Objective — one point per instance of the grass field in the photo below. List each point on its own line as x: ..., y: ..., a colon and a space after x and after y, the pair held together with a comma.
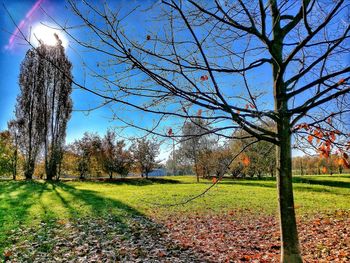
x: 31, y: 203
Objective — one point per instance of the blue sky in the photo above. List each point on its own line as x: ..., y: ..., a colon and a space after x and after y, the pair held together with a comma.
x: 100, y: 119
x: 95, y: 121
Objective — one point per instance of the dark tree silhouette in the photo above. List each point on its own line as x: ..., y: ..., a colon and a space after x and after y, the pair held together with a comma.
x: 44, y: 106
x: 29, y: 113
x: 57, y: 104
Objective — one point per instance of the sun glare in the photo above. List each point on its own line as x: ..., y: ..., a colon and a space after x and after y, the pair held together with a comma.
x: 47, y: 35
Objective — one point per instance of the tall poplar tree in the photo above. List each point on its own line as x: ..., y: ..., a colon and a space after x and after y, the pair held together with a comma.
x: 44, y: 106
x: 28, y: 111
x: 57, y: 104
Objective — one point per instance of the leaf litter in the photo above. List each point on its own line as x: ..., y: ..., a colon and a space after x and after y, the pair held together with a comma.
x: 228, y: 237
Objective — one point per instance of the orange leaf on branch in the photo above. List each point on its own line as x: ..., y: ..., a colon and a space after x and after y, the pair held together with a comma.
x: 204, y: 78
x: 332, y: 136
x: 341, y: 81
x: 310, y: 138
x: 300, y: 126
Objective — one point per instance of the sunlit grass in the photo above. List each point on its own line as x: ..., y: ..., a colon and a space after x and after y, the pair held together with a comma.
x: 29, y: 203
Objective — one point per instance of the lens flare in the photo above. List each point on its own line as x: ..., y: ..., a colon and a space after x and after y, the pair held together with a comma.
x: 46, y: 33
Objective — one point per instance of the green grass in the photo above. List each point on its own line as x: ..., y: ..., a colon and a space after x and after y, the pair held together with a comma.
x: 29, y: 203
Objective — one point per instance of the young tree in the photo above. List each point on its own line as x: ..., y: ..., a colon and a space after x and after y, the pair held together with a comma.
x: 144, y: 153
x: 114, y: 158
x: 230, y: 58
x: 181, y: 164
x: 196, y: 141
x: 88, y: 152
x: 219, y: 160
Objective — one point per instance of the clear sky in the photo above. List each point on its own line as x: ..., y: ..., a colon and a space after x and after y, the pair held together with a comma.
x: 13, y: 53
x: 27, y: 15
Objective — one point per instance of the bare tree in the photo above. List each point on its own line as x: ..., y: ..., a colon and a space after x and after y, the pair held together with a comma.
x: 209, y: 56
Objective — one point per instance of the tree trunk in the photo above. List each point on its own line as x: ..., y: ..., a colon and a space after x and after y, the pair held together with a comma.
x: 14, y: 168
x: 196, y: 168
x: 290, y: 251
x: 29, y: 170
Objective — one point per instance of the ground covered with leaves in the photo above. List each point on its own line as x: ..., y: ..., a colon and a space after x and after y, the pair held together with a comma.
x: 230, y: 237
x: 131, y: 220
x: 103, y: 240
x: 235, y: 238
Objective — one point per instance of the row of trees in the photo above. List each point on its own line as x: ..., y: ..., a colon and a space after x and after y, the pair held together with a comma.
x: 205, y: 155
x: 304, y: 165
x: 42, y: 110
x: 208, y: 155
x: 95, y: 156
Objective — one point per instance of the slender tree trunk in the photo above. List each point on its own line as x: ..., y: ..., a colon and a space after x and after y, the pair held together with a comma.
x: 196, y: 168
x: 14, y: 168
x: 290, y: 250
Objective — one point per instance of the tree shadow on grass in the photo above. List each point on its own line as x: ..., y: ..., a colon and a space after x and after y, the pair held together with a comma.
x: 143, y: 233
x: 321, y: 182
x: 96, y: 204
x: 16, y: 199
x: 253, y: 184
x: 131, y: 181
x: 305, y: 187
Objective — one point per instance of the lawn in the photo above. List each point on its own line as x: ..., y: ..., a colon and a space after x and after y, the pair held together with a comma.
x: 33, y: 204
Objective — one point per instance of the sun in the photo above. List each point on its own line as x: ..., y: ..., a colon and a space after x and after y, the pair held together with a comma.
x: 46, y: 34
